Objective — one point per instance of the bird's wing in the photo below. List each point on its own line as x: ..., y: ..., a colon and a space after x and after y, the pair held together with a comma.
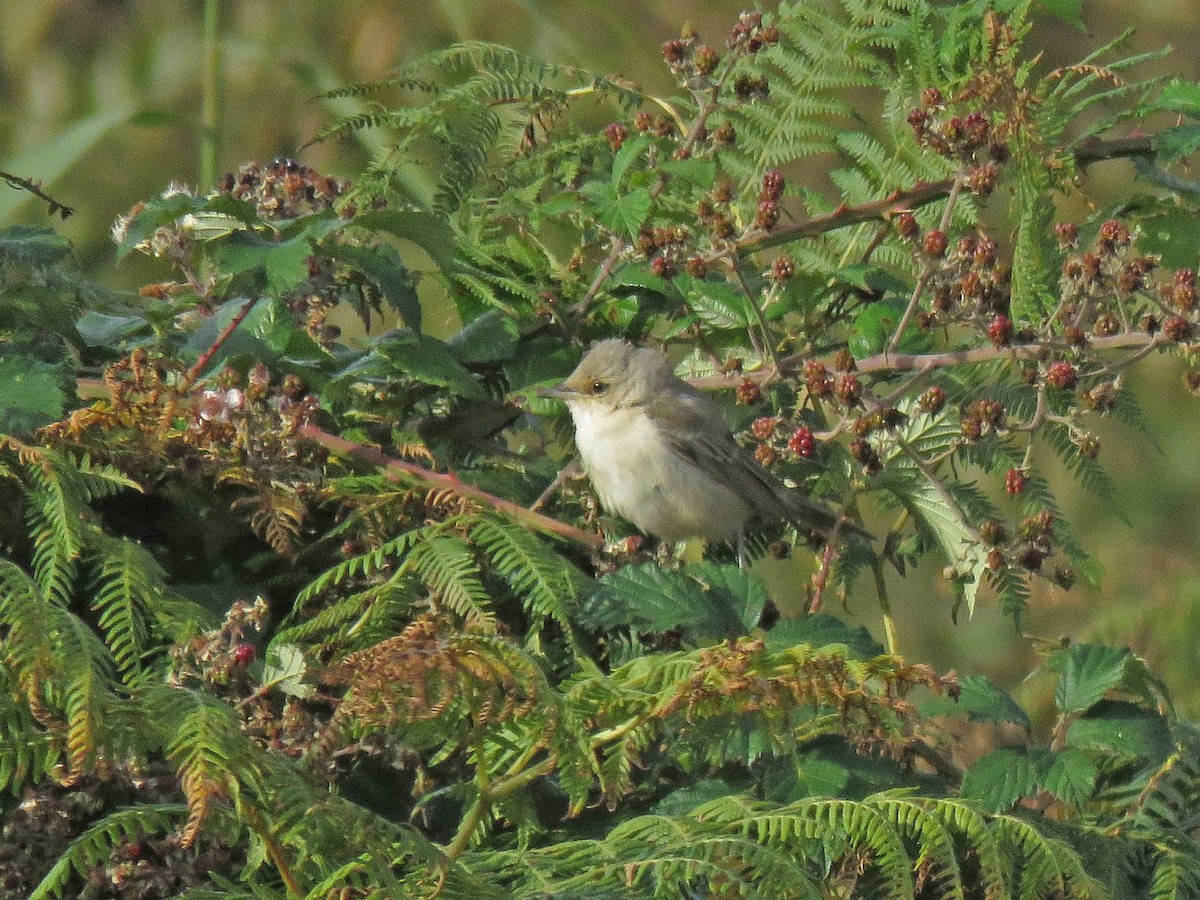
x: 696, y: 431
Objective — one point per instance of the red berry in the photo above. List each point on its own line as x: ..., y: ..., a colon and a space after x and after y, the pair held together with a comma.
x: 243, y: 655
x: 748, y: 392
x: 1177, y: 328
x: 1061, y: 375
x: 802, y: 443
x: 1014, y: 482
x: 906, y: 225
x: 935, y: 243
x: 1000, y: 330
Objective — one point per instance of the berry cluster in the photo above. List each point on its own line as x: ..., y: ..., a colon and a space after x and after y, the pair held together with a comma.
x: 971, y: 140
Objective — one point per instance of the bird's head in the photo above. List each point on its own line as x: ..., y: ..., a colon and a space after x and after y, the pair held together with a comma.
x: 614, y: 373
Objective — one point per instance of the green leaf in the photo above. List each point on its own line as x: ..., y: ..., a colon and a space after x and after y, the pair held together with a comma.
x: 101, y: 330
x: 874, y: 326
x: 1000, y: 779
x: 429, y: 360
x: 285, y: 668
x: 745, y: 592
x: 624, y: 212
x: 682, y: 801
x: 1178, y: 96
x: 1086, y: 673
x: 430, y: 232
x: 32, y: 394
x: 1071, y: 777
x: 981, y: 701
x: 284, y: 264
x: 35, y: 246
x: 382, y: 264
x: 717, y: 303
x: 696, y: 170
x: 490, y: 338
x: 821, y: 630
x: 1173, y: 143
x: 703, y: 600
x: 1069, y: 11
x: 630, y: 151
x: 1122, y: 729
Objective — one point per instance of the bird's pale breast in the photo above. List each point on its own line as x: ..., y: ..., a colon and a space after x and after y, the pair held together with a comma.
x: 639, y: 477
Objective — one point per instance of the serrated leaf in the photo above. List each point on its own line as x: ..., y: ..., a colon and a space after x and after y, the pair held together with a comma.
x: 283, y: 264
x: 624, y: 158
x: 717, y: 303
x: 429, y: 360
x: 980, y: 701
x: 1069, y: 11
x: 38, y: 246
x: 651, y: 599
x: 32, y: 394
x: 1000, y: 779
x: 695, y: 170
x: 625, y: 213
x: 1071, y: 777
x: 1178, y: 96
x: 1086, y: 673
x: 1176, y: 142
x: 490, y: 338
x: 285, y: 667
x: 1122, y: 729
x: 430, y: 232
x: 102, y: 330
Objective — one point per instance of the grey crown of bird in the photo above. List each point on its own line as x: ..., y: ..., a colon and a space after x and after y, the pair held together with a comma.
x: 659, y: 453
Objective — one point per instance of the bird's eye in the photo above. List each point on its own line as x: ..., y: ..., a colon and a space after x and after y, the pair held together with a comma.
x: 597, y: 387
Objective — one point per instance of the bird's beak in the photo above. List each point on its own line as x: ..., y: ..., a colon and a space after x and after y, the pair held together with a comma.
x: 558, y: 392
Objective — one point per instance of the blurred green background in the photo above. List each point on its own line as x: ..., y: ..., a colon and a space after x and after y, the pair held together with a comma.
x: 102, y: 100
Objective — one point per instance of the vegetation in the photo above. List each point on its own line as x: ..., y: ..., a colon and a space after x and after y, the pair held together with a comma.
x: 287, y: 613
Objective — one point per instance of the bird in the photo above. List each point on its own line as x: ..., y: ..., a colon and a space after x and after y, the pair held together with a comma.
x: 659, y: 453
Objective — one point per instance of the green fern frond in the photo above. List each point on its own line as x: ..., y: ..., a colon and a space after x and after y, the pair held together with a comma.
x: 549, y: 587
x: 126, y: 587
x: 448, y: 566
x: 96, y: 845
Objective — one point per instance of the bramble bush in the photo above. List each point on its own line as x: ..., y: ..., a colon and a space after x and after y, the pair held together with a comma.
x: 287, y: 614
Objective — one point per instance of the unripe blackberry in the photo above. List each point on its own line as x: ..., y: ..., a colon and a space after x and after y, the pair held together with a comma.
x: 865, y: 454
x: 772, y: 186
x: 1000, y: 330
x: 1031, y: 558
x: 934, y: 245
x: 764, y: 427
x: 616, y: 134
x: 993, y: 532
x: 982, y: 179
x: 931, y: 97
x: 675, y: 51
x: 1106, y: 325
x: 766, y: 454
x: 816, y: 378
x: 696, y: 266
x: 847, y: 389
x: 802, y: 442
x: 1014, y: 482
x: 1089, y: 446
x: 1068, y: 235
x: 782, y: 269
x: 767, y: 215
x: 1075, y: 336
x: 1114, y: 234
x: 1061, y: 375
x: 933, y: 400
x: 748, y: 392
x: 996, y: 560
x: 906, y: 225
x: 705, y: 59
x: 1177, y: 328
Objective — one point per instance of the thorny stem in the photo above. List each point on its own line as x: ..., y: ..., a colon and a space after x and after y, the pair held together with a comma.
x: 927, y: 270
x: 906, y: 362
x: 190, y: 376
x: 565, y: 474
x: 399, y: 469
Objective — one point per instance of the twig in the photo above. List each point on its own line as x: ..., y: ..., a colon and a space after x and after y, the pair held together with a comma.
x: 193, y: 373
x: 398, y: 469
x: 907, y: 362
x: 565, y: 474
x: 927, y: 269
x: 35, y: 188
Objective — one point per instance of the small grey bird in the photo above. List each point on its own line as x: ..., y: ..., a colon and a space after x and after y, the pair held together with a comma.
x: 659, y: 453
